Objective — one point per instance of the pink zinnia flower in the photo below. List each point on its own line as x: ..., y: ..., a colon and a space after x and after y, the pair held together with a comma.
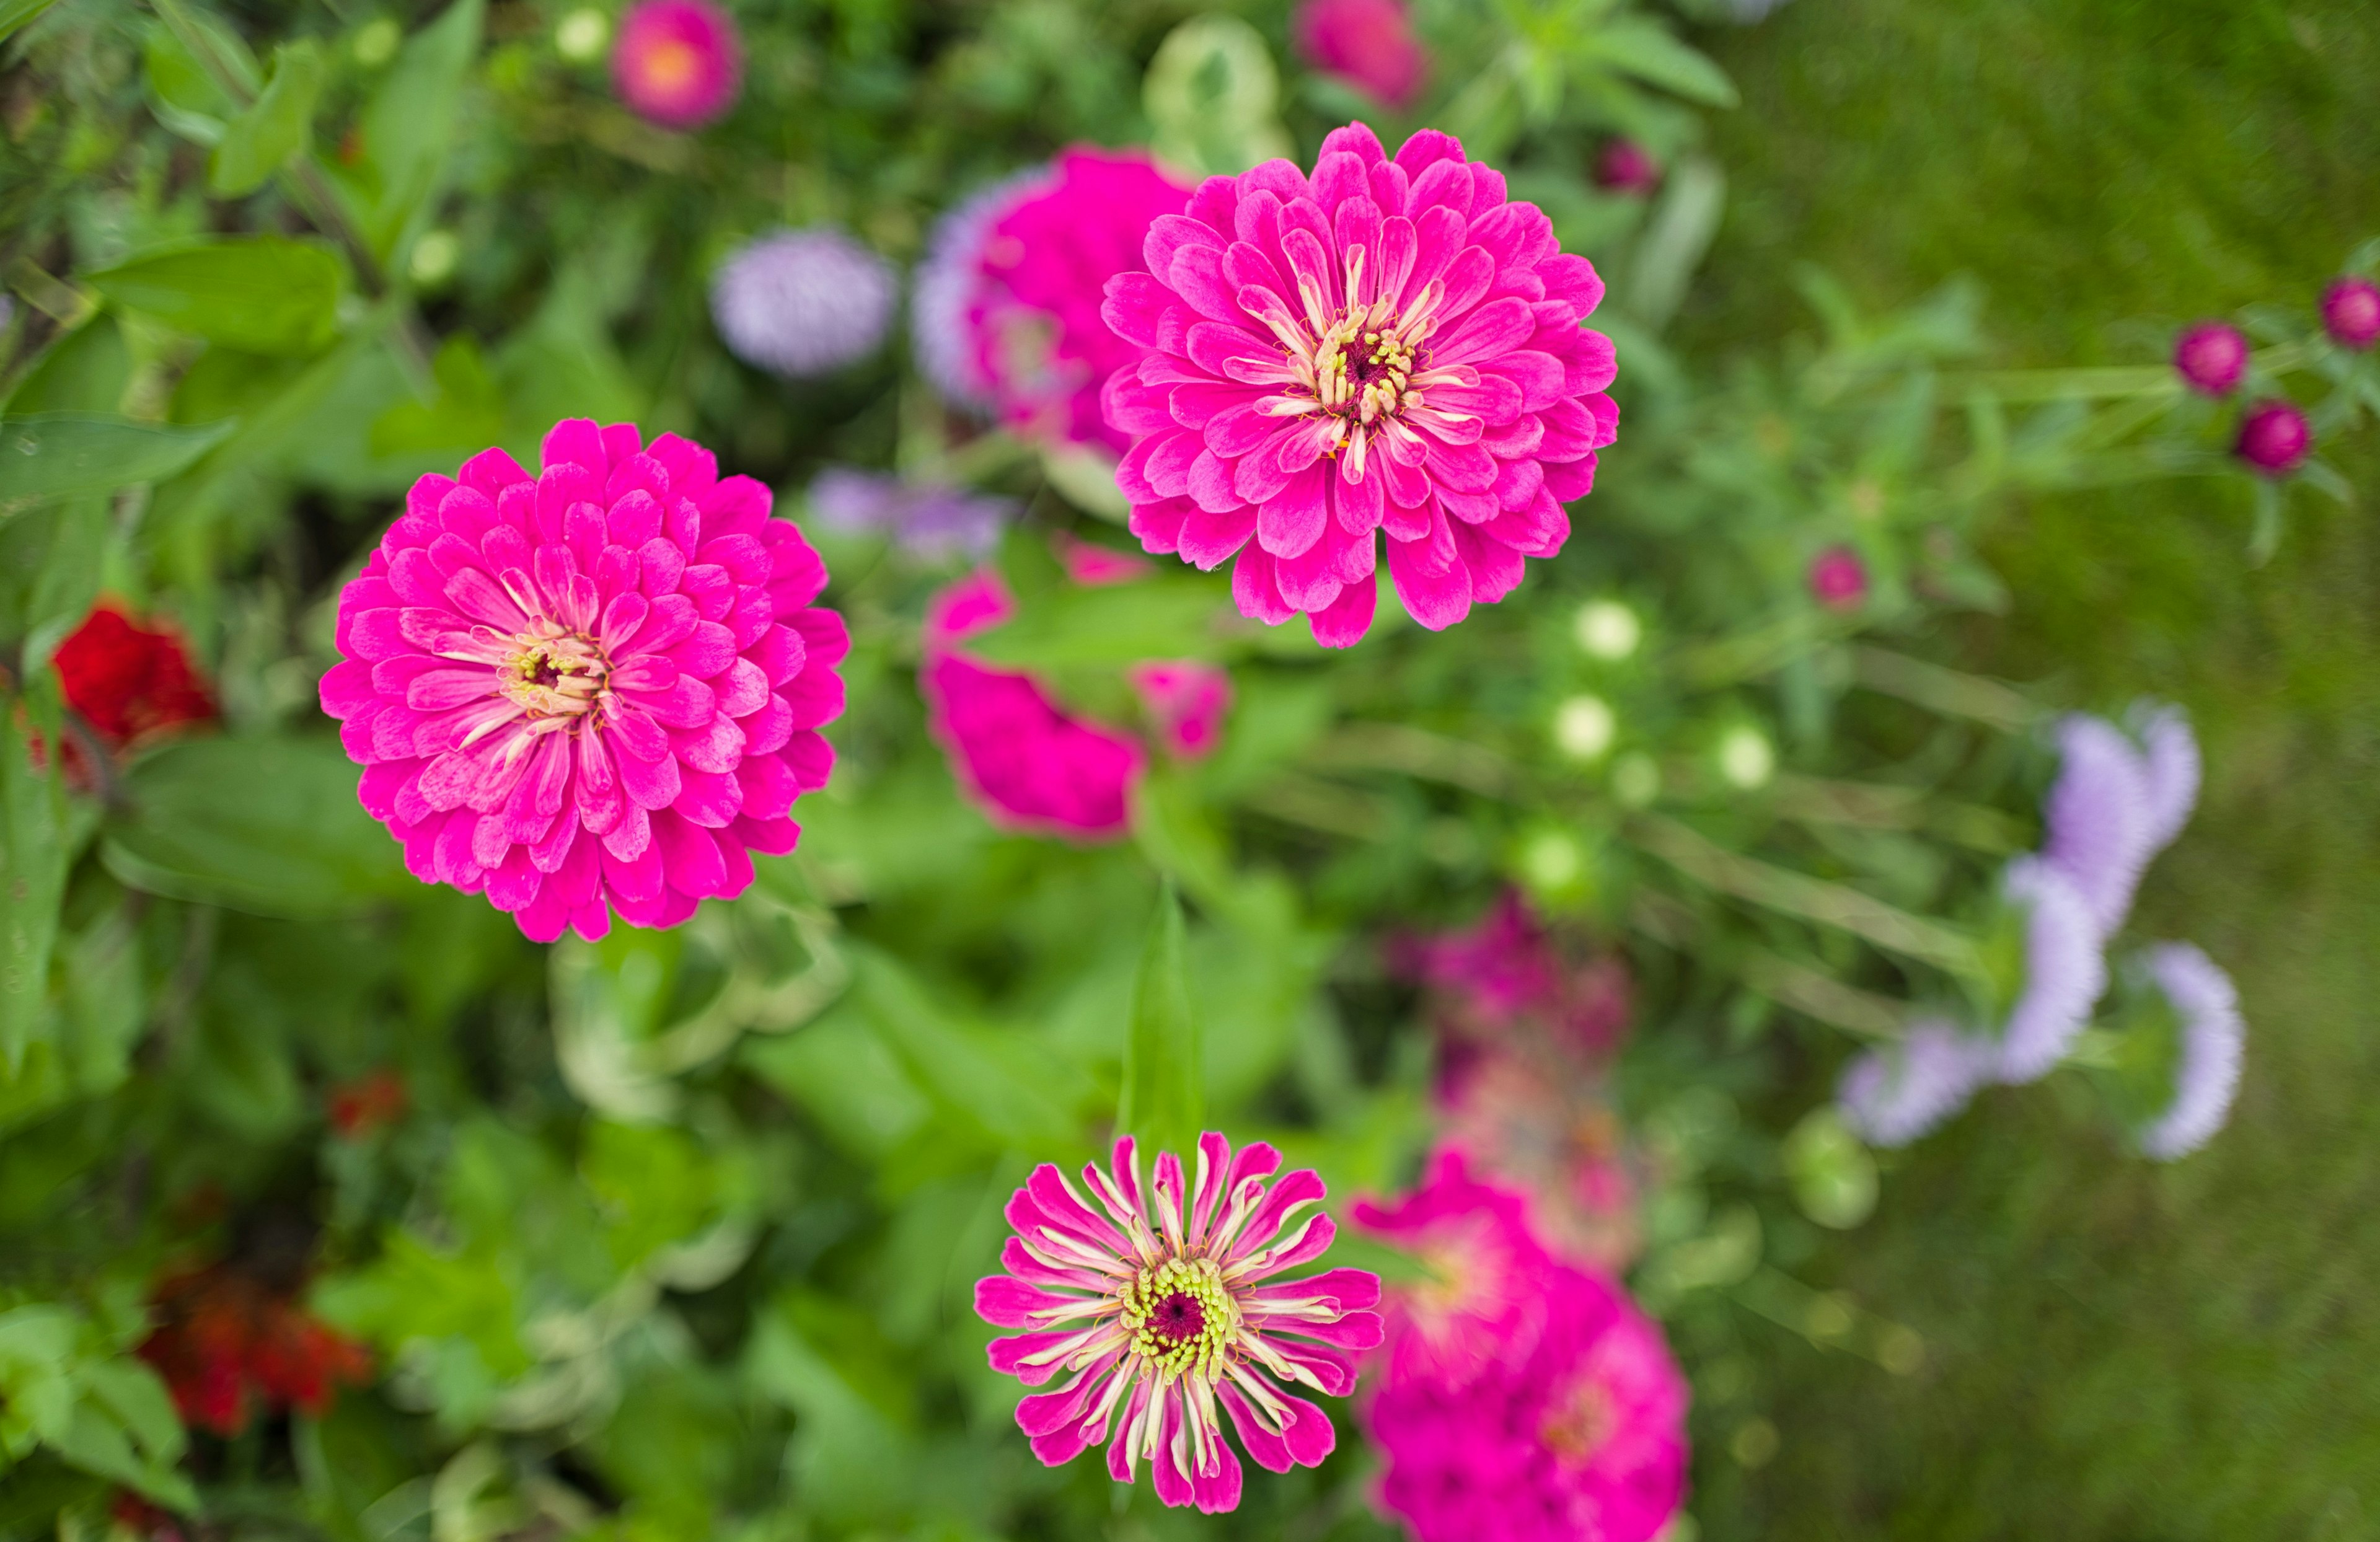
x: 1385, y: 347
x: 2274, y: 438
x: 2210, y: 358
x: 678, y: 62
x: 2350, y: 312
x: 1152, y: 1307
x: 1029, y: 764
x: 1186, y: 702
x: 1368, y: 43
x: 1007, y: 315
x: 1625, y: 166
x: 1522, y: 1399
x: 1506, y: 965
x: 598, y: 688
x: 1096, y: 566
x: 1839, y: 580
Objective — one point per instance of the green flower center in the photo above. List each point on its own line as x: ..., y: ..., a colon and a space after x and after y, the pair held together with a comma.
x: 553, y: 673
x: 1180, y: 1315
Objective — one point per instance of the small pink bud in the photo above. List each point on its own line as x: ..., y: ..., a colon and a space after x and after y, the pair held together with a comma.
x: 1839, y: 580
x: 2350, y: 312
x: 2211, y: 356
x: 1627, y: 167
x: 678, y: 62
x: 2274, y: 437
x: 1368, y: 43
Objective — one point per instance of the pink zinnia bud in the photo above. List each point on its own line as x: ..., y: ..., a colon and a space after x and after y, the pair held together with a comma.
x: 1628, y: 167
x: 2210, y: 358
x: 1007, y: 310
x: 1029, y: 764
x: 1388, y: 348
x: 2350, y: 311
x: 2274, y: 437
x: 1368, y: 43
x: 1839, y: 580
x: 678, y: 62
x: 1186, y: 702
x: 1149, y: 1308
x: 596, y: 690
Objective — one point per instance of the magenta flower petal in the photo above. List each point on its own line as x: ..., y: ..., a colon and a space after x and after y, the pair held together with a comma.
x: 1153, y: 1329
x: 549, y: 704
x: 1368, y: 43
x: 678, y: 62
x: 1382, y: 349
x: 2210, y: 358
x: 1186, y: 702
x: 2211, y: 1036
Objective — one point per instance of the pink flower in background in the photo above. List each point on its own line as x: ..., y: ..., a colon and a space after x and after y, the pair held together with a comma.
x: 1186, y: 702
x: 2274, y: 438
x: 2350, y: 312
x: 1520, y: 1398
x: 1506, y: 966
x: 2210, y: 358
x: 1625, y: 166
x: 1368, y: 43
x: 1839, y: 580
x: 678, y: 62
x: 1030, y: 765
x: 1390, y: 346
x: 591, y: 691
x: 1007, y: 314
x: 1149, y: 1308
x: 1096, y: 566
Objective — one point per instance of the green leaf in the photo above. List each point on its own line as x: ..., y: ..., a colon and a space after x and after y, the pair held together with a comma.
x: 1162, y: 1101
x: 132, y: 1392
x: 269, y: 826
x: 1212, y: 94
x: 185, y: 94
x: 470, y: 409
x: 50, y: 561
x: 404, y: 133
x: 1108, y: 626
x: 57, y: 454
x: 260, y: 141
x: 978, y: 1076
x: 1648, y: 52
x: 33, y: 852
x: 264, y: 294
x: 16, y: 14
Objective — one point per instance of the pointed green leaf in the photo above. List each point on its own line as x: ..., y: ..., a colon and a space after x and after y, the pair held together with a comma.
x: 32, y: 872
x: 261, y: 139
x: 16, y: 14
x: 1645, y: 51
x: 262, y: 294
x: 57, y: 454
x: 1163, y: 1100
x: 405, y: 128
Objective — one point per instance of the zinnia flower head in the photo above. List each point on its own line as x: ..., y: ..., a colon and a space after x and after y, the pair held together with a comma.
x: 595, y: 690
x: 1186, y: 702
x: 2350, y: 312
x: 2062, y: 970
x: 2274, y: 438
x: 803, y: 302
x: 1149, y: 1308
x: 1388, y: 346
x: 129, y: 682
x: 2210, y: 358
x: 1368, y: 43
x: 1625, y: 166
x: 678, y: 62
x: 1030, y: 765
x: 927, y: 519
x: 1839, y: 580
x: 1892, y: 1095
x: 1007, y: 316
x: 1506, y: 966
x: 2207, y: 1078
x: 1562, y: 1415
x: 1530, y: 1120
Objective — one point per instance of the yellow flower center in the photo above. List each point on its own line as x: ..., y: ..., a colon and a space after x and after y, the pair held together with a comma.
x: 1179, y: 1315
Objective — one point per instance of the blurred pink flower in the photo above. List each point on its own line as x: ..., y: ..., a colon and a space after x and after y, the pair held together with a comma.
x: 1506, y: 965
x: 1625, y: 166
x: 2210, y: 358
x: 1186, y: 702
x: 1518, y: 1398
x: 2274, y: 438
x: 1007, y: 314
x: 1368, y: 43
x: 1151, y: 1307
x: 1839, y: 580
x: 678, y: 62
x: 1387, y: 346
x: 596, y: 687
x: 1030, y: 765
x: 2350, y: 312
x: 1096, y: 566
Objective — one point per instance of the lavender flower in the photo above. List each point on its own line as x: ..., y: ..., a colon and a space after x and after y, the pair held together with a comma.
x: 927, y: 519
x: 945, y: 289
x: 1891, y: 1095
x: 2064, y: 970
x: 2169, y: 767
x: 2099, y: 818
x: 2212, y: 1034
x: 803, y: 302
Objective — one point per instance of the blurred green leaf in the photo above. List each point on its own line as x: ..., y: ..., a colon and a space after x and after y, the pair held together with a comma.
x: 1108, y: 626
x: 16, y: 14
x: 1645, y: 50
x: 1163, y: 1098
x: 261, y: 139
x: 56, y: 455
x: 986, y: 1078
x: 184, y: 96
x: 269, y: 826
x: 404, y: 133
x: 469, y: 410
x: 1834, y: 1178
x: 1211, y: 94
x: 32, y: 870
x: 265, y: 294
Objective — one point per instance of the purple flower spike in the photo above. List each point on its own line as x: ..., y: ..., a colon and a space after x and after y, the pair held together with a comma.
x: 2064, y: 970
x: 2350, y: 312
x: 1891, y: 1095
x: 2274, y: 438
x: 929, y: 520
x: 2212, y: 1039
x: 2210, y: 358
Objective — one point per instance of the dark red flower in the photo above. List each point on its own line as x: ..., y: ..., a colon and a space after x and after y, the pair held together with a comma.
x: 359, y: 1107
x: 226, y: 1341
x: 129, y: 683
x: 1628, y: 167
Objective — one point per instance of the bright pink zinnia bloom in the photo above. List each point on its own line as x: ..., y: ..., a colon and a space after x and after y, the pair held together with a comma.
x: 598, y: 686
x: 1368, y: 43
x: 1152, y: 1324
x: 1522, y: 1399
x: 1186, y: 702
x: 678, y: 62
x: 1007, y: 310
x: 1030, y: 765
x: 1388, y: 346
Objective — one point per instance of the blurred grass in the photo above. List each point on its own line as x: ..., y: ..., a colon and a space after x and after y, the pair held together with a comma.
x: 2116, y: 1349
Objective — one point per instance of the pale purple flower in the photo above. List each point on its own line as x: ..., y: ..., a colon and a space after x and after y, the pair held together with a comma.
x: 929, y: 519
x: 1892, y: 1095
x: 803, y: 302
x: 2212, y: 1034
x: 2170, y: 765
x: 945, y: 289
x: 2064, y: 970
x: 2101, y: 824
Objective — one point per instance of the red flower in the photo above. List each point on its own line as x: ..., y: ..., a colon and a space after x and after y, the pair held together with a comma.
x: 226, y: 1341
x: 364, y: 1105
